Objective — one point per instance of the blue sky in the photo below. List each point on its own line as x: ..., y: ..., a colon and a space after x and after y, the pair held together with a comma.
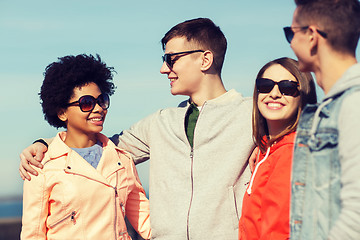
x: 126, y: 34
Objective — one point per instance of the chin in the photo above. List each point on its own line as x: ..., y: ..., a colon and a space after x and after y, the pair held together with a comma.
x: 175, y: 93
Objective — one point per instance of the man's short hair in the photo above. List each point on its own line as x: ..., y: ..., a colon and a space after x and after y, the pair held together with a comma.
x: 339, y: 19
x: 202, y: 33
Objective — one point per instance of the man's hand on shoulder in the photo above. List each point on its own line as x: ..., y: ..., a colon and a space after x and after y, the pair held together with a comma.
x: 32, y: 155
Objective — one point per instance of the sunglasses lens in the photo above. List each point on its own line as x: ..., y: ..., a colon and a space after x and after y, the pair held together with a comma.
x: 289, y: 34
x: 87, y: 103
x: 104, y: 101
x: 167, y: 59
x: 288, y: 87
x: 264, y: 85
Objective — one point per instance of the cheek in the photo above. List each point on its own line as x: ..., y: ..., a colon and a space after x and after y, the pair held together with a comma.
x: 260, y: 103
x: 260, y: 99
x: 295, y: 104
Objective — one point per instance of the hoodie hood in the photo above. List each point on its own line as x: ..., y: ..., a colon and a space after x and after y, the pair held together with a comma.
x: 349, y: 79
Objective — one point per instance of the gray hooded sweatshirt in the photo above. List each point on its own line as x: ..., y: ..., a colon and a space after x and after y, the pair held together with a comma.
x: 195, y: 193
x: 348, y: 224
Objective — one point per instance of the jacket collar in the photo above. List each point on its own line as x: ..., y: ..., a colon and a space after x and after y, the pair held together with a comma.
x: 110, y: 161
x: 287, y: 139
x: 221, y: 100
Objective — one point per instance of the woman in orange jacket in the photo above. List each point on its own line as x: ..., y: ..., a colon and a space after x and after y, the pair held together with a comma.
x: 280, y: 94
x: 87, y: 184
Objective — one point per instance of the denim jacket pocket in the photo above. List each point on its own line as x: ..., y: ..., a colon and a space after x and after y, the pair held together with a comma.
x: 323, y: 140
x: 326, y: 167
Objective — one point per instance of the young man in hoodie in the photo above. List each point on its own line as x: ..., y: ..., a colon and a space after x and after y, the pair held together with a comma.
x: 199, y: 150
x: 325, y: 199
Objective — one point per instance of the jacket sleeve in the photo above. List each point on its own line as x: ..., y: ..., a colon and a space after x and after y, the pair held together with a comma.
x: 137, y: 205
x: 35, y: 208
x: 136, y: 140
x: 276, y: 201
x: 348, y: 224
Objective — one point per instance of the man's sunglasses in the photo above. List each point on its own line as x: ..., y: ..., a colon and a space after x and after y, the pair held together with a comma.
x: 170, y: 62
x: 87, y: 103
x: 286, y: 87
x: 289, y: 32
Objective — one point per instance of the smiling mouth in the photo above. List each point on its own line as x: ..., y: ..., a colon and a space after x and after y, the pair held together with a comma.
x: 274, y: 105
x: 96, y: 119
x: 172, y: 80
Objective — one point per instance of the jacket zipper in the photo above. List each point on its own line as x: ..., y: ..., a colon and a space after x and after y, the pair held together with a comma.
x: 71, y: 216
x: 116, y: 195
x: 192, y: 192
x: 192, y: 177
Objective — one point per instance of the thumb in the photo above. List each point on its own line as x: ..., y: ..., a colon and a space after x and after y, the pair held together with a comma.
x: 39, y: 156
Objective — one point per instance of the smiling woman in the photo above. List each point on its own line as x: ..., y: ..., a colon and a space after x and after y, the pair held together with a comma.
x: 280, y: 94
x: 83, y: 170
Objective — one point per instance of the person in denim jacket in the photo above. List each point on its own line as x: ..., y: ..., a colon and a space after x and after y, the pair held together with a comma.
x: 325, y: 197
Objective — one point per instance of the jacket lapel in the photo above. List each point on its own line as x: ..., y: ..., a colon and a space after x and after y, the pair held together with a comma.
x: 75, y: 164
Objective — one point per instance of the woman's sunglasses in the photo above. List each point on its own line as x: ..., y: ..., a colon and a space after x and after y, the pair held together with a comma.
x: 286, y: 87
x: 87, y: 103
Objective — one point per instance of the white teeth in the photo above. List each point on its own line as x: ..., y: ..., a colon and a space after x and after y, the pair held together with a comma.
x: 274, y: 105
x: 96, y: 119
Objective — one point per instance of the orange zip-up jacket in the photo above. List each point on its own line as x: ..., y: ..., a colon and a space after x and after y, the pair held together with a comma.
x: 266, y: 203
x: 70, y: 199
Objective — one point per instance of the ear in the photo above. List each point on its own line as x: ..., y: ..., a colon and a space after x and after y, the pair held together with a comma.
x: 207, y: 60
x: 62, y: 115
x: 313, y: 39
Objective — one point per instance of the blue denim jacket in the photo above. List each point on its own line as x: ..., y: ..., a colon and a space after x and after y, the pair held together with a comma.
x: 316, y: 174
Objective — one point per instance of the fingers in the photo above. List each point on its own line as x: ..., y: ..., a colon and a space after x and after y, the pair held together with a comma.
x: 38, y: 158
x: 252, y: 159
x: 23, y: 173
x: 252, y: 166
x: 25, y: 166
x: 27, y: 158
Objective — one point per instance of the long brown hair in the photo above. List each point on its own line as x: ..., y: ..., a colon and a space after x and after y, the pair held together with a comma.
x: 307, y: 95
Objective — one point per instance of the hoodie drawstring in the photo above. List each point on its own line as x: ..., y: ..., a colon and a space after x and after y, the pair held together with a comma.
x: 256, y: 168
x: 317, y: 117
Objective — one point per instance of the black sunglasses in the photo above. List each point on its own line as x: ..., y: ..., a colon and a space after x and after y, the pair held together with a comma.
x: 289, y: 32
x: 170, y: 62
x: 87, y: 103
x: 286, y: 87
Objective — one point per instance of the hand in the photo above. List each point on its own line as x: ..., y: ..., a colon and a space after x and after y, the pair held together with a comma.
x: 33, y: 155
x: 252, y: 159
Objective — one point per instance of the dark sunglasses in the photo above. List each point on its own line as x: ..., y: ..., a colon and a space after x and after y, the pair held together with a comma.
x: 289, y: 32
x: 87, y: 103
x: 286, y: 87
x: 170, y: 62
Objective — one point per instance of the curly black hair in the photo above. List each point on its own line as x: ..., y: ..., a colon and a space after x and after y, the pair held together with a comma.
x: 68, y: 73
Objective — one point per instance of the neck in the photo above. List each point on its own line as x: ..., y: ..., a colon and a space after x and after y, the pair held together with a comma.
x: 76, y: 140
x: 211, y: 88
x: 276, y: 127
x: 331, y: 66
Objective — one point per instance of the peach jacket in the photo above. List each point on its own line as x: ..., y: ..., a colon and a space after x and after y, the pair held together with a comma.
x: 70, y: 199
